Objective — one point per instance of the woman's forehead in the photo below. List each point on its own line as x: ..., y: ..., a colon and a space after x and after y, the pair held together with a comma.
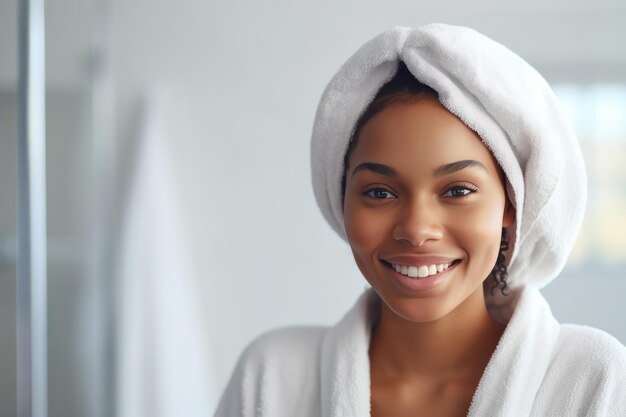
x: 421, y: 133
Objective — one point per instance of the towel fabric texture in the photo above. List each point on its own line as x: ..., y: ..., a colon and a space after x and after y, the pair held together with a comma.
x: 540, y: 367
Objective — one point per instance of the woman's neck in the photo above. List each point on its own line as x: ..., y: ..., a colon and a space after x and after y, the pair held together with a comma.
x: 458, y: 344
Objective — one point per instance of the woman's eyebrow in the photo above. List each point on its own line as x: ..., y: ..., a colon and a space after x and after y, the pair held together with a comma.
x: 457, y: 166
x: 446, y: 169
x: 375, y: 167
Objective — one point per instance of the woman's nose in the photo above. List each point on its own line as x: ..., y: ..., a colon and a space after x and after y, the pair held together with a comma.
x: 417, y: 224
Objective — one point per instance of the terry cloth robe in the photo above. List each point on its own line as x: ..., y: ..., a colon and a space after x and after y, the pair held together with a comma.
x: 539, y: 368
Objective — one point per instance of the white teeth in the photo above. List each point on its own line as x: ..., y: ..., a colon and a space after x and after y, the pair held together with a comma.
x: 422, y: 271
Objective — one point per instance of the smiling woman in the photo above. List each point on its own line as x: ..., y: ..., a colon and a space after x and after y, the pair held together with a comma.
x: 431, y: 147
x: 425, y: 195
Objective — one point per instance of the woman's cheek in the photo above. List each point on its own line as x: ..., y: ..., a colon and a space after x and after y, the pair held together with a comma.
x: 365, y: 228
x: 483, y: 215
x: 481, y: 231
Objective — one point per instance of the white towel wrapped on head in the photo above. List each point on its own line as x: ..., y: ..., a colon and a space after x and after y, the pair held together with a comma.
x: 499, y: 96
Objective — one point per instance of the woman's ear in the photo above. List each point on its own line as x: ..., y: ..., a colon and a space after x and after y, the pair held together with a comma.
x: 508, y: 217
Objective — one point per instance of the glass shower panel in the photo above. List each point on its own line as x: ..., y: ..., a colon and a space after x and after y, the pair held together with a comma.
x: 77, y: 325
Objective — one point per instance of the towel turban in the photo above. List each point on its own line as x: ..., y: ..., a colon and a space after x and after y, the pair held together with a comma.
x: 496, y: 94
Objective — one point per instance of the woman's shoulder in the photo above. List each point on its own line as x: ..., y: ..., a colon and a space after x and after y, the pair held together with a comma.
x: 591, y: 345
x: 285, y: 343
x: 587, y: 373
x: 280, y: 363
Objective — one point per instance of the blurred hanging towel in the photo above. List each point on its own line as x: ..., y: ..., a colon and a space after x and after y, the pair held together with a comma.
x: 162, y: 359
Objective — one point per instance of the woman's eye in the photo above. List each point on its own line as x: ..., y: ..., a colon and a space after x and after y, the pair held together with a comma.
x: 379, y: 194
x: 460, y: 191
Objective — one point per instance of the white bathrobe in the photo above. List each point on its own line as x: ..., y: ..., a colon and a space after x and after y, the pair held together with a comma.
x: 539, y: 368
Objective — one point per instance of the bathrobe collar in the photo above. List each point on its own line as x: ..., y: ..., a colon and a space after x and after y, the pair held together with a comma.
x: 508, y: 385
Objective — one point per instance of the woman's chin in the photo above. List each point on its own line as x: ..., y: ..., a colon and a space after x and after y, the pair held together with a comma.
x: 417, y: 310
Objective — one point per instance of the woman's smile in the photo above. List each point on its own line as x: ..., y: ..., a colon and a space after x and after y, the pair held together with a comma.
x: 422, y: 279
x: 419, y: 271
x: 422, y: 271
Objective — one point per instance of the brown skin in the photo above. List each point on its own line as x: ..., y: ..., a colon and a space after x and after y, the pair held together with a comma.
x: 429, y: 349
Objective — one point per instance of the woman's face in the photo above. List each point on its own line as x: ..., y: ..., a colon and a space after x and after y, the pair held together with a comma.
x: 411, y: 203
